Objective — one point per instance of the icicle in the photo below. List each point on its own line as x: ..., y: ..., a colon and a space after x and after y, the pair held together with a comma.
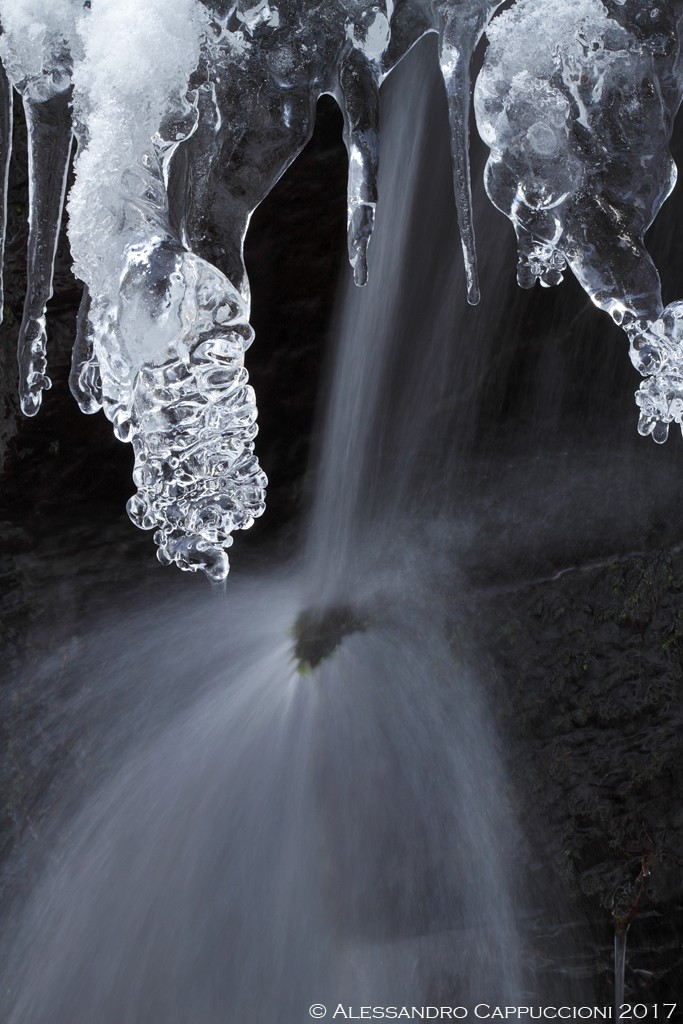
x: 359, y: 82
x: 460, y: 29
x: 162, y: 333
x: 49, y: 140
x: 5, y: 154
x: 580, y: 180
x: 620, y: 936
x: 85, y: 381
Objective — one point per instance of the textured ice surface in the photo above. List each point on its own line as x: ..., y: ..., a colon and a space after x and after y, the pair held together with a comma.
x: 161, y: 346
x: 576, y: 101
x: 186, y: 113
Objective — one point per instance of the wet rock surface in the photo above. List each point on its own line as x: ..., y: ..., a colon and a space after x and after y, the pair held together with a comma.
x: 592, y: 662
x: 318, y: 635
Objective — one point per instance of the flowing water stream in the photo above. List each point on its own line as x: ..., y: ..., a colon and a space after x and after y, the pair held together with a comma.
x: 316, y: 810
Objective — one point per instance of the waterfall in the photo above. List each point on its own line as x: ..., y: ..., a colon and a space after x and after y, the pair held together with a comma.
x: 316, y: 810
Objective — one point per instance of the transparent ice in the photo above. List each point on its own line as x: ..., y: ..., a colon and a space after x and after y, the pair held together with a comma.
x: 186, y: 113
x: 167, y: 102
x: 576, y: 102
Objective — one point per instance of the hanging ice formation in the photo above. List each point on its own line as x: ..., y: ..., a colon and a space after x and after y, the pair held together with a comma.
x: 173, y: 102
x: 169, y: 102
x: 577, y: 109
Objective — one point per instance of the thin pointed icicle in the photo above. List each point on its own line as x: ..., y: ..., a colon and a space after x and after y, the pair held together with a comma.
x: 620, y: 937
x: 49, y: 147
x: 5, y: 154
x: 85, y: 382
x: 460, y: 29
x: 360, y: 105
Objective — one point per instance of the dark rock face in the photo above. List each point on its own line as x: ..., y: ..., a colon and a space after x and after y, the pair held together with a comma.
x: 318, y: 635
x: 593, y: 662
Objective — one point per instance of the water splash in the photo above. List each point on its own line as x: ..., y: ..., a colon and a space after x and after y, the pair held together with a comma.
x: 333, y: 837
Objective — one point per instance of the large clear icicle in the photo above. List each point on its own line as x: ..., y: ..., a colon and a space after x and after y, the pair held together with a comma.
x: 48, y: 124
x: 5, y: 154
x: 37, y: 47
x: 461, y: 27
x: 174, y: 385
x: 359, y: 84
x: 85, y: 380
x: 162, y: 333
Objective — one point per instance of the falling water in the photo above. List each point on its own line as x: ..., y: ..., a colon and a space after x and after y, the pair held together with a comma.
x: 316, y: 810
x: 368, y: 325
